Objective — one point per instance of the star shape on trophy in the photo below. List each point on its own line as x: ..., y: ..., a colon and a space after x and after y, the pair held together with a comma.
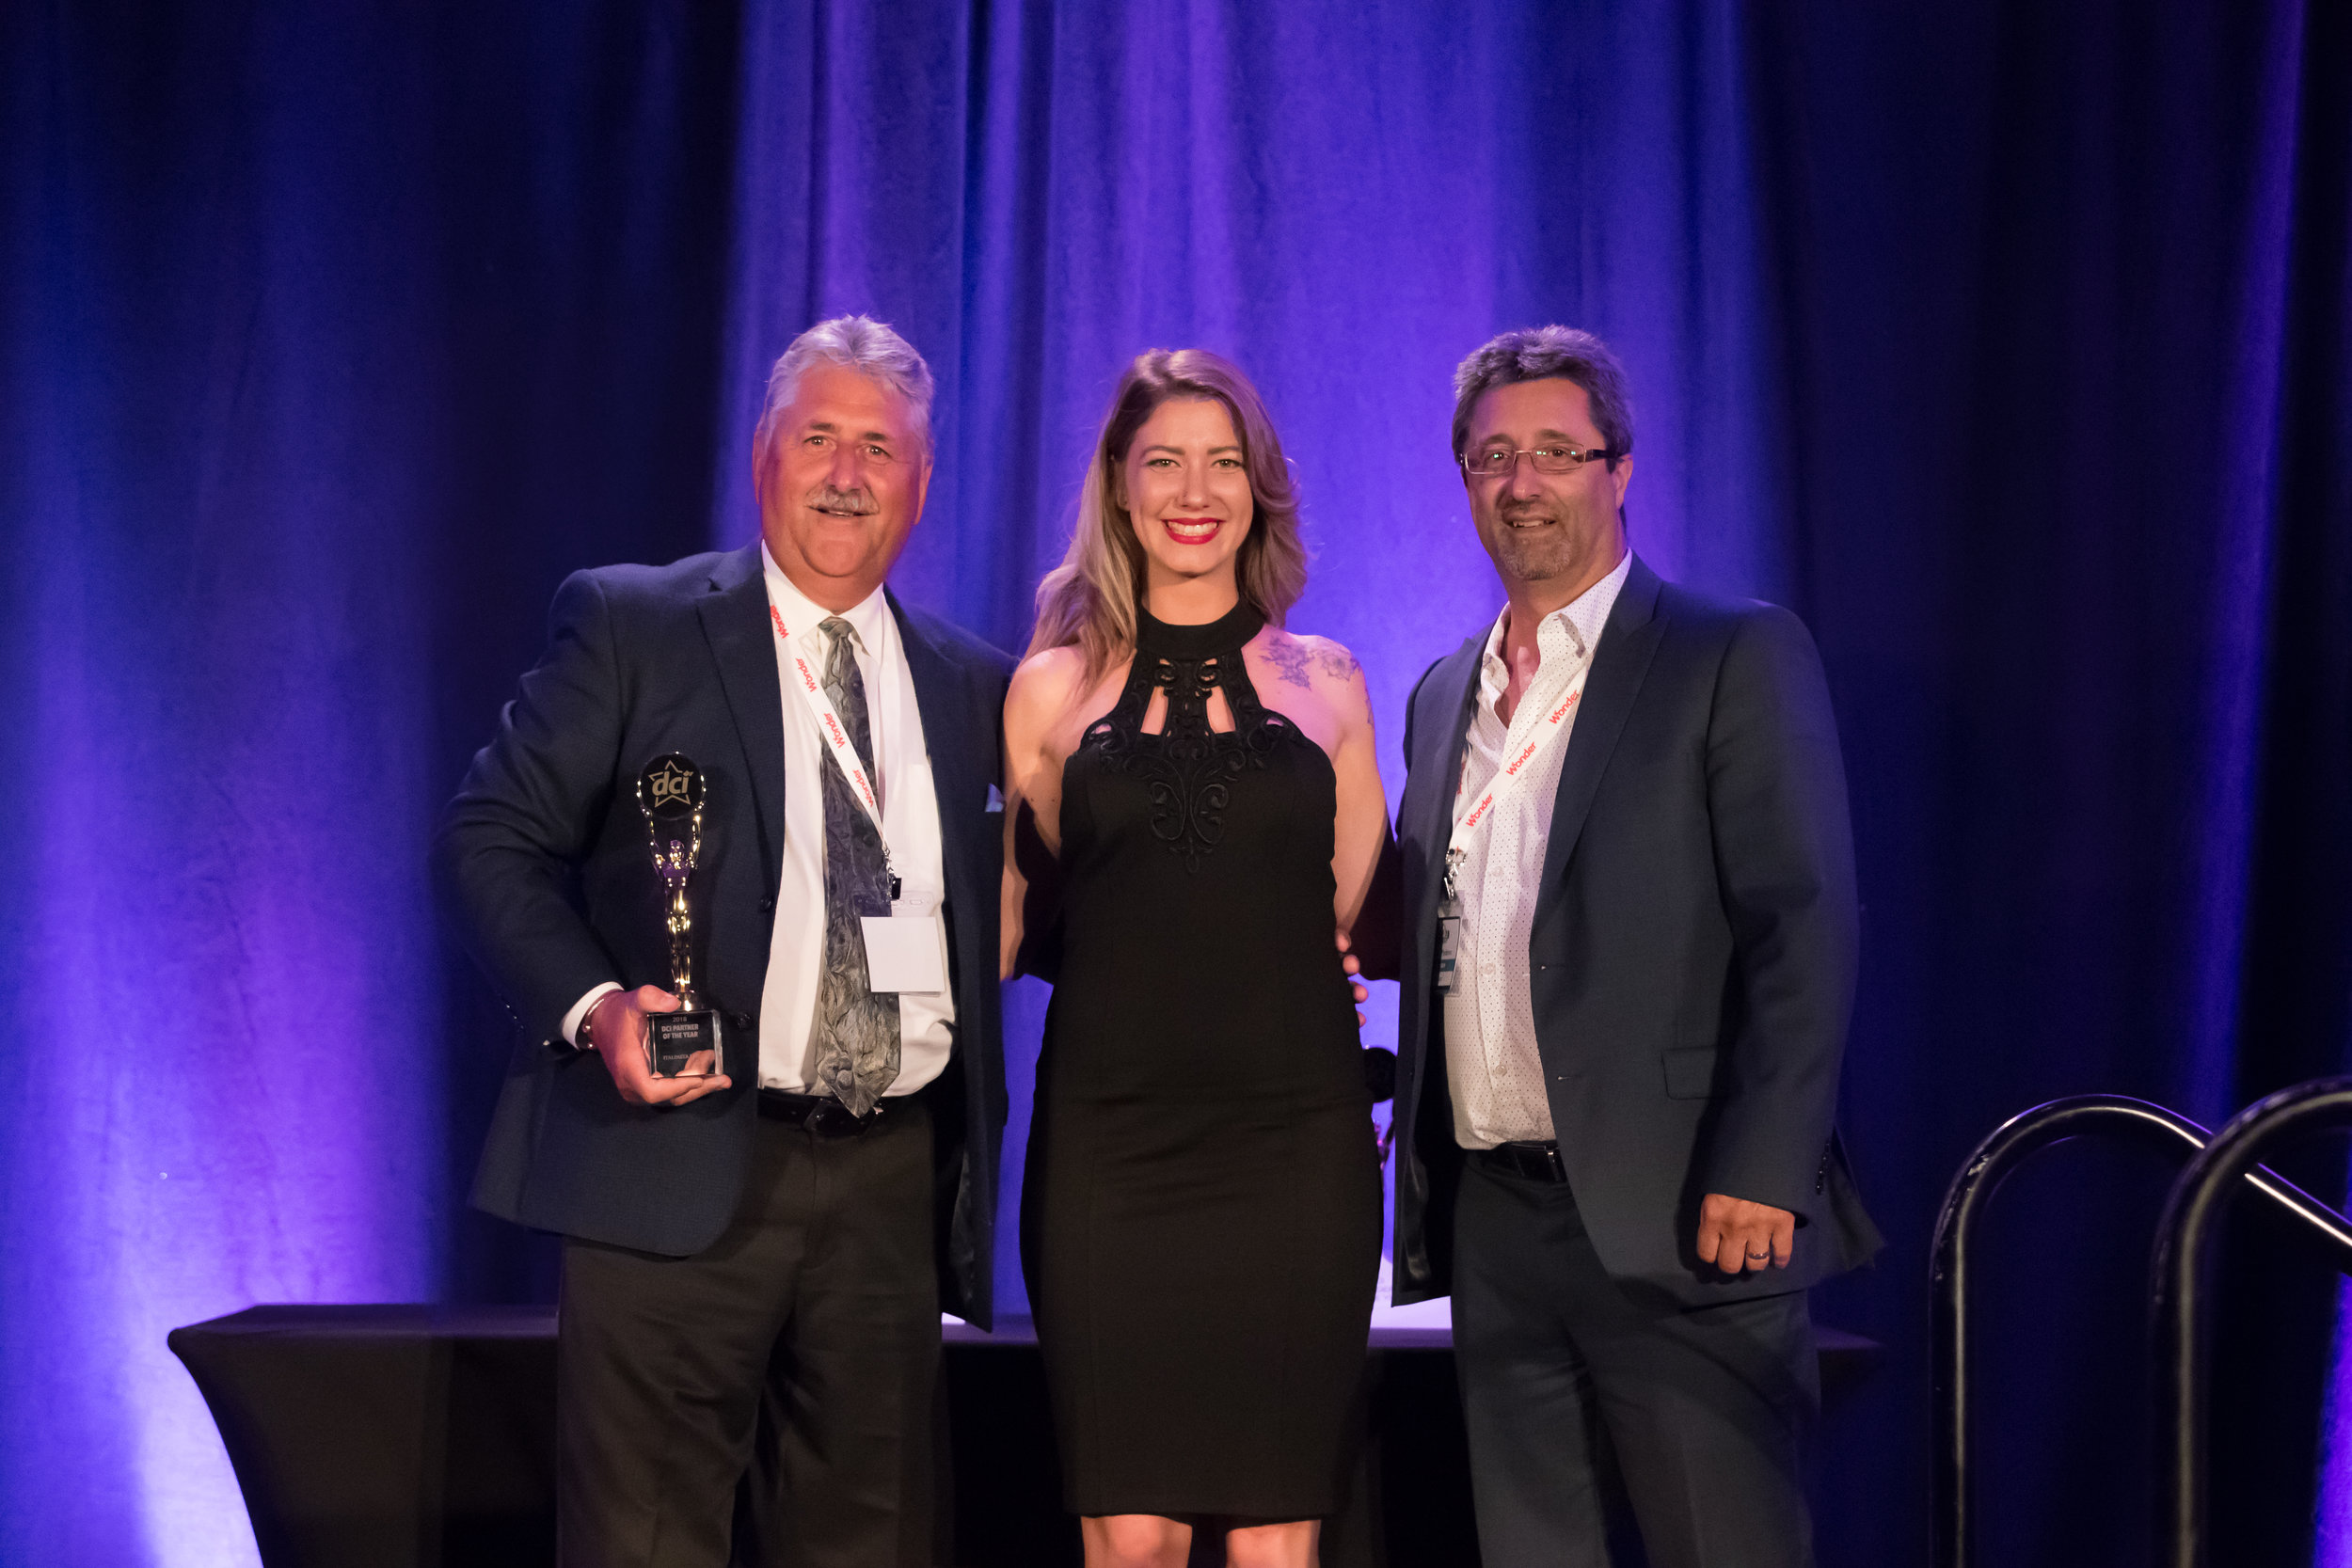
x: 670, y: 782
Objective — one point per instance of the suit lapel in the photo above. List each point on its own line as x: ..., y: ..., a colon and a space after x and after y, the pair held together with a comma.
x: 941, y: 701
x: 1441, y: 714
x: 1619, y: 664
x: 1447, y: 699
x: 735, y: 623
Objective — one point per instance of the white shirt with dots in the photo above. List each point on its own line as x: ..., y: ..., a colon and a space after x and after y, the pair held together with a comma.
x: 1493, y: 1070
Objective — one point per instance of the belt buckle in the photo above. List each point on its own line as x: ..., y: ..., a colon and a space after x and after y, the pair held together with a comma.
x: 830, y: 1118
x: 1533, y: 1162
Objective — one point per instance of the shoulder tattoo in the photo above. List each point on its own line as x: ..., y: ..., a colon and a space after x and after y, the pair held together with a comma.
x: 1337, y: 662
x: 1290, y: 659
x: 1298, y: 658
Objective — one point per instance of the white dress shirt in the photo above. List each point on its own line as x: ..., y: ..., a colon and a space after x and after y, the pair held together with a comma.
x: 902, y: 778
x: 1493, y: 1070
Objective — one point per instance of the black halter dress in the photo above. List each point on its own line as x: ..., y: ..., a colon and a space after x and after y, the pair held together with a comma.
x: 1201, y: 1224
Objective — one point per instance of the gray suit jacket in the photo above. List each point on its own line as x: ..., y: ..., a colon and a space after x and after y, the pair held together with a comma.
x: 1694, y: 951
x: 544, y: 869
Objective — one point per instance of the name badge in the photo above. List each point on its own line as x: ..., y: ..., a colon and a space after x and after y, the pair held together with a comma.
x: 1449, y: 949
x: 906, y: 951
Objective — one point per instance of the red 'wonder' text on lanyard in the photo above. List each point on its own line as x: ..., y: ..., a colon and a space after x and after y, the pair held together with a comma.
x: 836, y: 735
x: 1517, y: 767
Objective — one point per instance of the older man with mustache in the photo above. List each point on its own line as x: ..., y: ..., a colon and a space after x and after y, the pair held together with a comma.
x: 749, y: 1342
x: 1629, y: 955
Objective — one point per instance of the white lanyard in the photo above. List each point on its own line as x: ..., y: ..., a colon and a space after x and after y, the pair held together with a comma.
x: 1516, y: 768
x: 837, y: 737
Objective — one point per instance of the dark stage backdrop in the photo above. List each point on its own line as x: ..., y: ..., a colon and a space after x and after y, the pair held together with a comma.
x: 2004, y: 343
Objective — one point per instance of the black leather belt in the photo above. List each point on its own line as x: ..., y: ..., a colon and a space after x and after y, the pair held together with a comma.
x: 1530, y: 1161
x: 820, y: 1113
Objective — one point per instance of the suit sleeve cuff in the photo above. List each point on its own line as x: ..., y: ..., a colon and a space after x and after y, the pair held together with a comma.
x: 578, y: 1015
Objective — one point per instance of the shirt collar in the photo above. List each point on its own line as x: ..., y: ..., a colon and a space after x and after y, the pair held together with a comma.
x: 1572, y: 631
x: 867, y: 618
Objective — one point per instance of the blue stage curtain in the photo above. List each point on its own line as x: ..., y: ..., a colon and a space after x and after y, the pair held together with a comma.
x: 2006, y: 344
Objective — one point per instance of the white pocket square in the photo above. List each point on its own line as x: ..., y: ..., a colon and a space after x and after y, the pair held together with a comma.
x: 996, y: 799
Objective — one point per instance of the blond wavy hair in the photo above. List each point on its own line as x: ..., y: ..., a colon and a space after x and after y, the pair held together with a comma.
x: 1089, y: 601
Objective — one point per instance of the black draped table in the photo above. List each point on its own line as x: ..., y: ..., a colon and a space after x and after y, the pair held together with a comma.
x: 425, y: 1437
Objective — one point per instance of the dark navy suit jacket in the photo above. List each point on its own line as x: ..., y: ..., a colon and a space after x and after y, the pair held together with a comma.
x: 543, y: 868
x: 1692, y: 956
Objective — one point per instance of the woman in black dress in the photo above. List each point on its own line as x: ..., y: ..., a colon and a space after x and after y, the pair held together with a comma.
x: 1193, y: 805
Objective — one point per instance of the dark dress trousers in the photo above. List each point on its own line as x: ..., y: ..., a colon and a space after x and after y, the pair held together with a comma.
x: 544, y: 865
x: 1691, y: 966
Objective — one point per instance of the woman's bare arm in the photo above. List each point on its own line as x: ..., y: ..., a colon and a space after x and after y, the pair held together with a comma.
x: 1036, y: 705
x: 1361, y: 828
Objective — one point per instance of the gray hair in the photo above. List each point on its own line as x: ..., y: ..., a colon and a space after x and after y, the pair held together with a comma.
x: 857, y: 343
x: 1539, y: 354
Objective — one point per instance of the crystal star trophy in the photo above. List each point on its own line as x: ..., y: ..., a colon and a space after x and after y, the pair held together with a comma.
x: 683, y: 1044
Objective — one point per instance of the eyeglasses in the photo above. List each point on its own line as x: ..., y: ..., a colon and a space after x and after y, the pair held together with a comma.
x: 1494, y: 462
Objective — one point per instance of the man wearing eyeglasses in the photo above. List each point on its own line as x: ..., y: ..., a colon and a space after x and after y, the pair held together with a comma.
x: 754, y: 1261
x: 1629, y: 957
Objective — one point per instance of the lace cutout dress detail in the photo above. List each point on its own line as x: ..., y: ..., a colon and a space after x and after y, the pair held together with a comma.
x: 1189, y: 767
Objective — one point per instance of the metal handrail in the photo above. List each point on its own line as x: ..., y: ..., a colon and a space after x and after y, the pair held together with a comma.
x: 2016, y: 1140
x: 2177, y: 1310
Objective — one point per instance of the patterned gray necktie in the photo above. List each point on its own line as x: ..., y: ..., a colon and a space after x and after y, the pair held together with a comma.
x: 857, y: 1031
